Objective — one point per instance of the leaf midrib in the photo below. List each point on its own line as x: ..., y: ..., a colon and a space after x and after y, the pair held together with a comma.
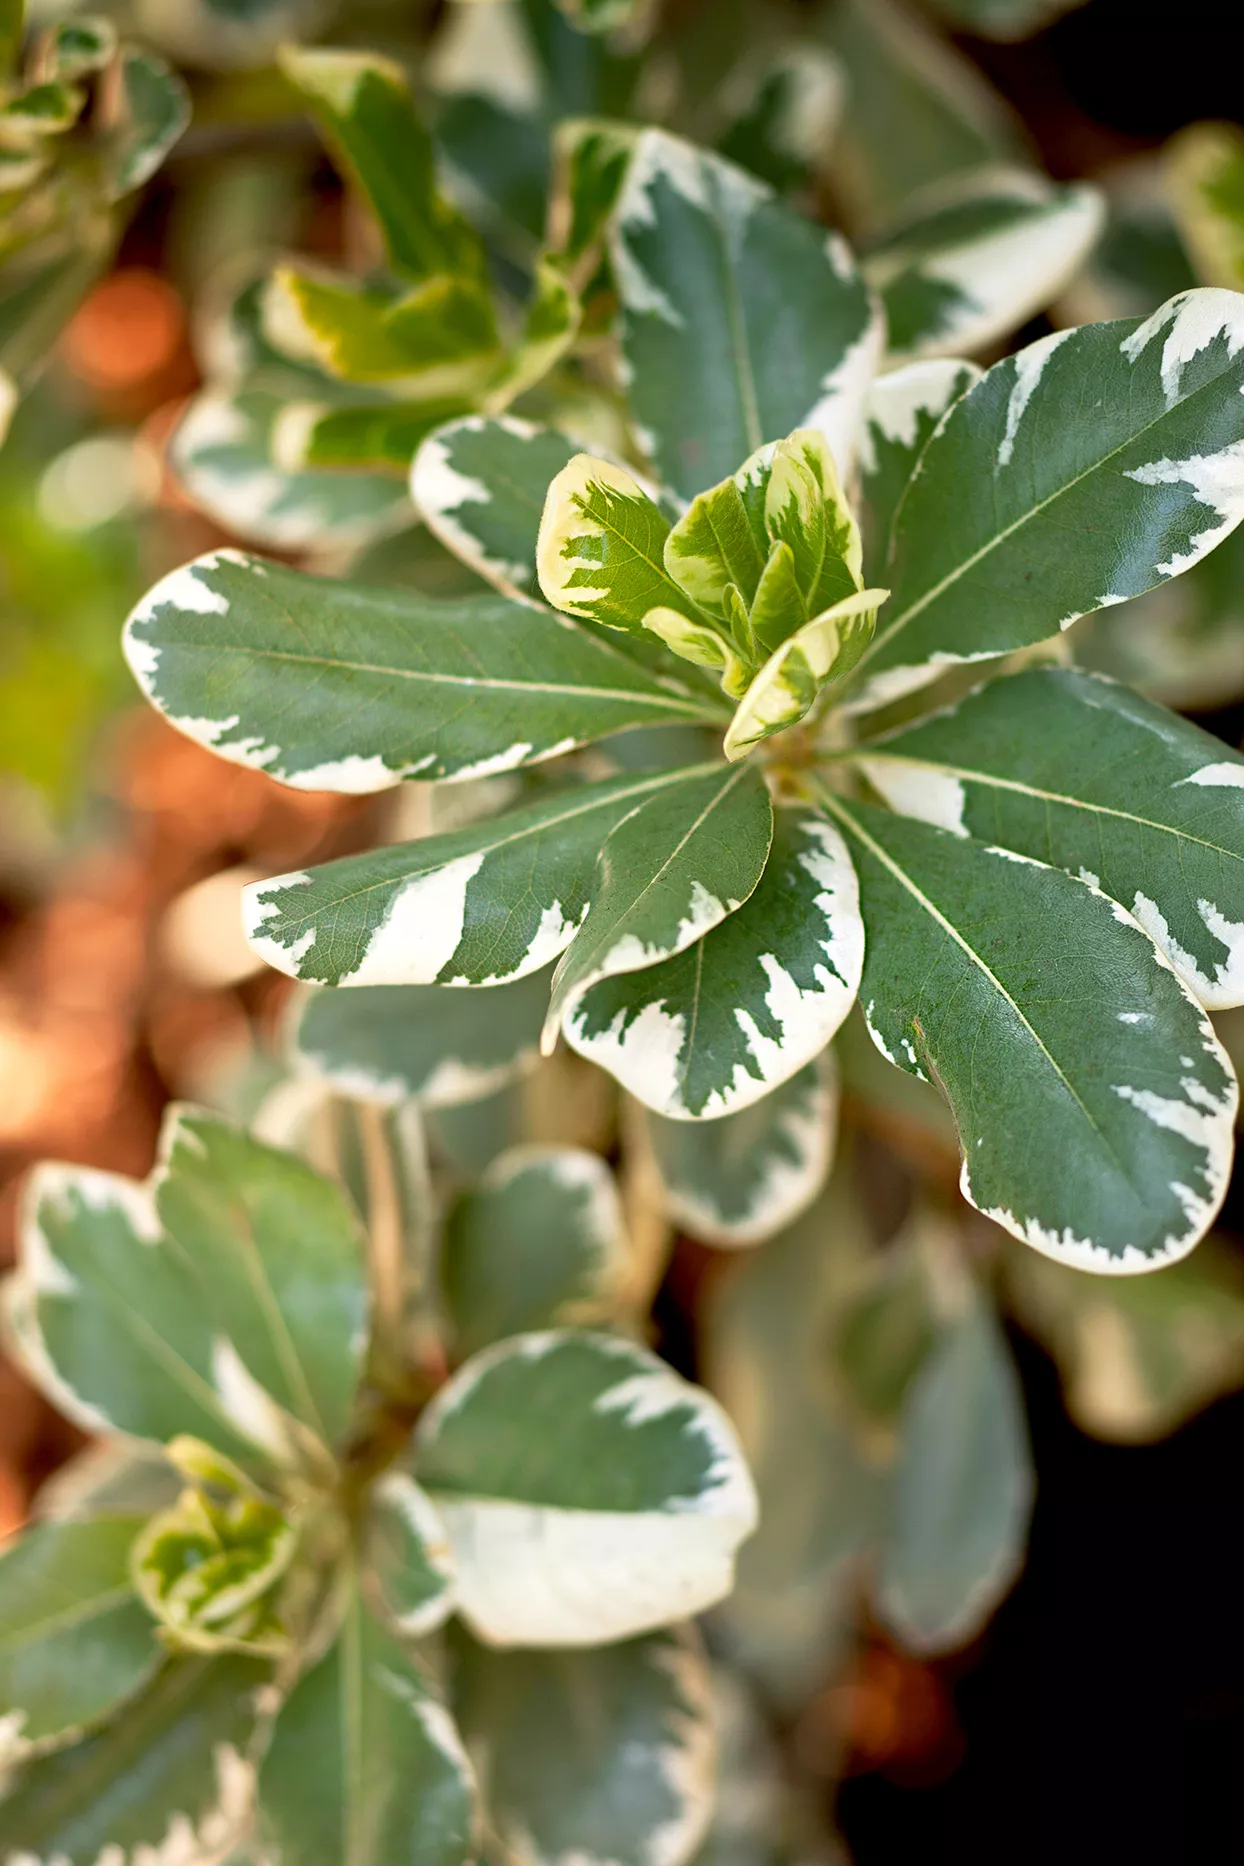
x: 67, y: 1617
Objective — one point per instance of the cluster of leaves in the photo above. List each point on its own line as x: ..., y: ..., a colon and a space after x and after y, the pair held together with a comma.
x: 229, y: 1621
x: 83, y: 124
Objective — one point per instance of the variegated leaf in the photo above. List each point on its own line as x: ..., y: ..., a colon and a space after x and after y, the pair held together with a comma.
x: 1205, y: 182
x: 1144, y: 473
x: 439, y: 339
x: 606, y: 1757
x: 364, y: 1766
x: 481, y: 483
x: 676, y: 866
x: 166, y: 1776
x: 478, y: 906
x: 589, y: 1493
x: 740, y: 320
x: 975, y: 257
x: 385, y: 1043
x: 741, y: 1011
x: 900, y: 414
x: 152, y: 110
x: 74, y: 1641
x: 744, y: 1177
x: 376, y: 685
x: 1076, y: 771
x: 601, y: 547
x: 406, y: 1560
x: 1093, y: 1102
x: 209, y: 1568
x: 788, y: 685
x: 374, y: 437
x: 538, y: 1242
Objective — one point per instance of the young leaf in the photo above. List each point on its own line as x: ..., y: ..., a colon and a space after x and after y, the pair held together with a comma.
x: 478, y: 906
x: 441, y: 1047
x: 788, y: 685
x: 207, y: 1568
x: 1078, y: 772
x: 742, y: 1178
x: 1094, y: 1103
x: 740, y: 320
x: 76, y: 47
x: 480, y: 484
x: 1125, y: 437
x: 741, y: 1011
x: 962, y: 1492
x: 375, y: 437
x: 439, y: 339
x: 540, y: 1241
x: 606, y: 1757
x: 376, y: 685
x: 364, y: 107
x: 601, y: 547
x: 1204, y: 167
x: 223, y: 454
x: 365, y: 1767
x: 589, y: 1493
x: 168, y: 1772
x: 406, y: 1558
x: 74, y: 1642
x: 900, y: 415
x: 806, y: 510
x: 674, y: 867
x: 973, y: 260
x: 281, y: 1255
x: 590, y: 160
x: 114, y: 1323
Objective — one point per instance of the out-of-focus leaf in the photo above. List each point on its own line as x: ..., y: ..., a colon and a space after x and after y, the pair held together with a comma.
x: 155, y: 110
x: 1205, y: 179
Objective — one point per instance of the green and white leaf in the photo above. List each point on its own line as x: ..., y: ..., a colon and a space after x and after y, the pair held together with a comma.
x: 602, y: 1757
x: 679, y: 864
x: 153, y: 112
x: 385, y: 1043
x: 746, y: 1007
x: 741, y: 320
x: 112, y: 1477
x: 281, y: 1255
x: 406, y: 1558
x: 742, y: 1178
x: 1128, y: 437
x: 74, y: 1641
x: 208, y: 1569
x: 1204, y: 174
x: 601, y: 547
x: 437, y: 340
x: 788, y: 685
x: 588, y: 1492
x: 167, y: 1775
x: 479, y: 906
x: 365, y: 1767
x: 1076, y: 771
x: 225, y: 455
x: 962, y: 1491
x: 1094, y: 1103
x: 116, y: 1327
x: 363, y: 105
x: 900, y: 414
x: 590, y: 160
x: 75, y: 47
x: 539, y: 1242
x: 480, y: 484
x: 976, y: 256
x: 376, y: 685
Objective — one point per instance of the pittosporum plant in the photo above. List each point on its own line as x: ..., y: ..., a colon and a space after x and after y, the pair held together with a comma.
x: 1040, y: 916
x: 230, y: 1623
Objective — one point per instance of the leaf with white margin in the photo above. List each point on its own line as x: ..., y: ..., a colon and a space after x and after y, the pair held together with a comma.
x: 605, y: 1756
x: 730, y: 1019
x: 165, y: 1778
x: 601, y: 547
x: 223, y: 454
x: 370, y: 686
x: 407, y: 1565
x: 741, y: 320
x: 962, y: 1492
x: 588, y: 1491
x: 113, y: 1325
x: 152, y: 109
x: 679, y: 864
x: 377, y: 437
x: 1094, y: 1104
x: 976, y: 257
x: 900, y: 414
x: 480, y: 484
x: 384, y: 1043
x: 74, y: 1642
x: 539, y: 1241
x: 1204, y: 172
x: 791, y: 680
x: 742, y: 1178
x: 438, y: 340
x: 1126, y: 438
x: 477, y: 906
x: 1076, y: 771
x: 365, y: 1767
x: 281, y: 1254
x: 111, y: 1477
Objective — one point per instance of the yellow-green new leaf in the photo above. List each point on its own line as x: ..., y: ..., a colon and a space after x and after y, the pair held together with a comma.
x: 433, y: 342
x: 601, y: 547
x: 787, y: 686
